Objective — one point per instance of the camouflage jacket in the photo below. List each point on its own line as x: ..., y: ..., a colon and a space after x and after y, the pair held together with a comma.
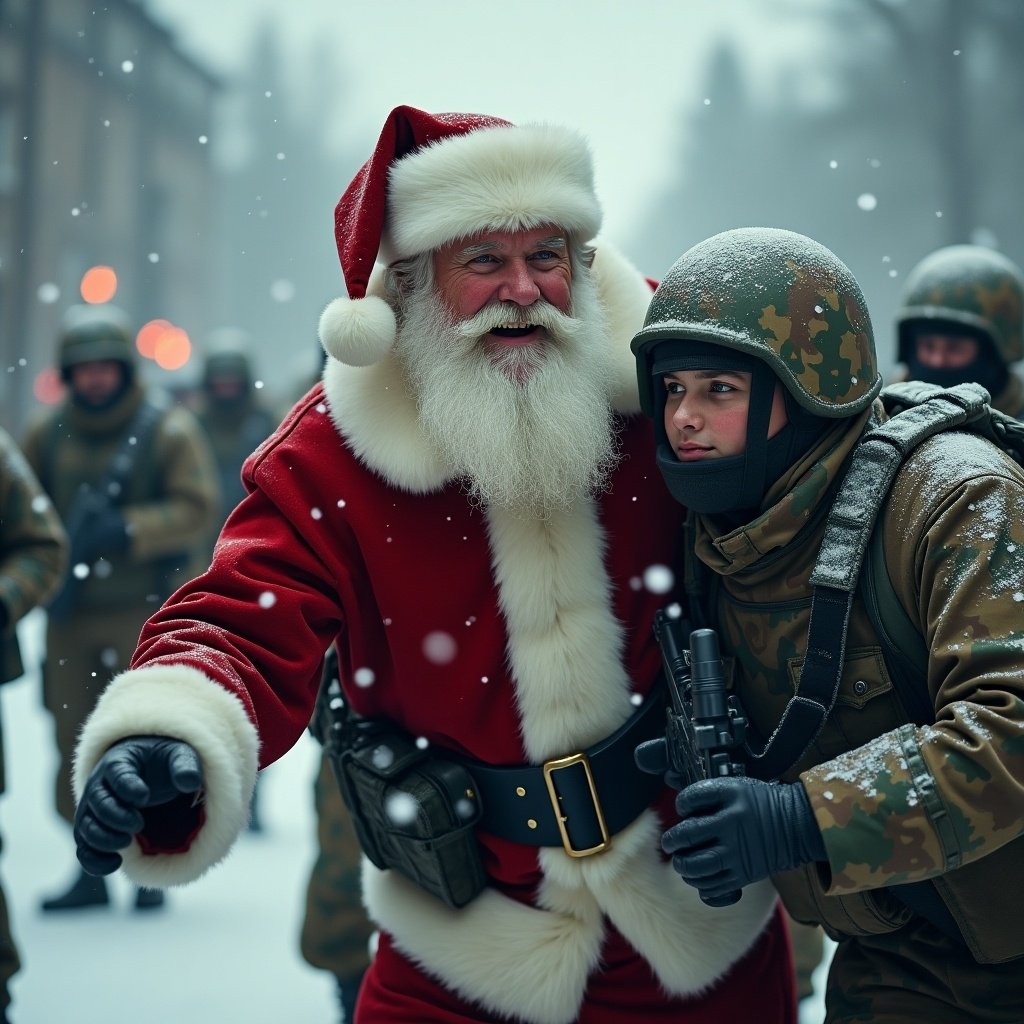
x: 896, y: 803
x: 169, y: 502
x: 33, y: 549
x: 1011, y: 399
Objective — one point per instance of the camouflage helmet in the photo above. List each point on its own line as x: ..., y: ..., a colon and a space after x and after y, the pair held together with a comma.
x: 92, y: 333
x: 778, y: 296
x: 968, y: 286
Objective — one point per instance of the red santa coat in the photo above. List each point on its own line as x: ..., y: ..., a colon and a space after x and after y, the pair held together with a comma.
x: 509, y: 640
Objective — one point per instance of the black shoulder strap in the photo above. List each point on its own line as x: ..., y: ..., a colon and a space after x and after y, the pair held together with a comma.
x: 873, y: 466
x: 133, y: 444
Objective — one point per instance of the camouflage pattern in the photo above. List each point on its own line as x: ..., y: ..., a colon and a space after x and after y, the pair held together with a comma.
x: 866, y: 983
x: 967, y: 285
x: 336, y: 932
x: 897, y: 803
x: 808, y: 942
x: 169, y: 502
x: 33, y: 551
x: 779, y: 296
x: 91, y: 333
x: 1011, y: 398
x: 33, y: 556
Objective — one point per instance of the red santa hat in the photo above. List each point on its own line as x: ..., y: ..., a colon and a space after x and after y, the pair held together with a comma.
x: 435, y: 178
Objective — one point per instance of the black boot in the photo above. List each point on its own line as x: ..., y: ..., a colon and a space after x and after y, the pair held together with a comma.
x: 148, y: 899
x: 87, y: 891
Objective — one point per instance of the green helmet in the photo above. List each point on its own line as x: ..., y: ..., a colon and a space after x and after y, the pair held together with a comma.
x: 91, y: 333
x: 225, y: 363
x: 968, y: 286
x: 780, y: 297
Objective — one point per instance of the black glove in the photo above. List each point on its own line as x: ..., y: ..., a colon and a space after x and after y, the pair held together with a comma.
x: 651, y: 756
x: 135, y: 773
x: 737, y: 830
x: 105, y: 533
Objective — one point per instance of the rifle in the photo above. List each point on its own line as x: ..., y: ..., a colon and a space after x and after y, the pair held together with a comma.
x: 705, y: 729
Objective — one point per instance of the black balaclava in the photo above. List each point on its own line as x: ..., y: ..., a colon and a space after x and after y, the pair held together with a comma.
x: 737, y: 483
x: 988, y: 369
x: 127, y: 378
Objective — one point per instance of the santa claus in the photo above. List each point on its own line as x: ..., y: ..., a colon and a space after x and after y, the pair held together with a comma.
x: 467, y: 507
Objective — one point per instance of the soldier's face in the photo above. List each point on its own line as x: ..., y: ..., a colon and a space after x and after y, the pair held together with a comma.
x: 940, y: 351
x: 706, y: 413
x: 97, y: 381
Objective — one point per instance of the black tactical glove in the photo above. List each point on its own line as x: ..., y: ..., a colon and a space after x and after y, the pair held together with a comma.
x: 651, y: 756
x: 135, y: 773
x: 737, y: 830
x: 106, y: 533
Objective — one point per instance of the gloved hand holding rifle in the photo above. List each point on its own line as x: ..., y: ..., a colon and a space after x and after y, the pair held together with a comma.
x: 734, y: 830
x: 95, y: 527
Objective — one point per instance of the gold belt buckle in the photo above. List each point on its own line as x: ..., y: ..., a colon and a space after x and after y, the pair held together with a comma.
x: 556, y: 764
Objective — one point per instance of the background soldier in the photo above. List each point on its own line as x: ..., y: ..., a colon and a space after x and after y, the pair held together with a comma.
x: 233, y: 415
x: 336, y: 933
x: 133, y: 480
x: 960, y: 320
x: 33, y: 555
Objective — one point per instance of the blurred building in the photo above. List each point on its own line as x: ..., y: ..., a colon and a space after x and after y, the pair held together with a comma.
x: 104, y: 161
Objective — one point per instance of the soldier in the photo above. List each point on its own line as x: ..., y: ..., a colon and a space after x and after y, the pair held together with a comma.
x: 336, y: 934
x: 234, y: 417
x: 235, y: 421
x: 960, y: 320
x: 33, y: 556
x: 757, y: 364
x: 133, y: 479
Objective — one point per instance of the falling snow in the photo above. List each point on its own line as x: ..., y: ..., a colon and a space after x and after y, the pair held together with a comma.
x: 364, y: 677
x: 439, y: 647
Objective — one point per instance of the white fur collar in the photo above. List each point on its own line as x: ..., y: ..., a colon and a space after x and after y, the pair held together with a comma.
x: 373, y: 410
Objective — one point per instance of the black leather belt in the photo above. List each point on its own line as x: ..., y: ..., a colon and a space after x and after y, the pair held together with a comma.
x: 578, y: 801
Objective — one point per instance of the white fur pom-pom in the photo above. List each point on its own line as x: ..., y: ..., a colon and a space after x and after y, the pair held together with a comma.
x: 358, y: 332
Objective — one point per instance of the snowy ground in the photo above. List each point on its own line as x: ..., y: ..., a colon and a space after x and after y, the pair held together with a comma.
x: 223, y: 950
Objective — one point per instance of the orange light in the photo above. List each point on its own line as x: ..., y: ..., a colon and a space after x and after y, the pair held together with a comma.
x: 148, y: 336
x: 99, y: 284
x: 173, y: 349
x: 47, y: 387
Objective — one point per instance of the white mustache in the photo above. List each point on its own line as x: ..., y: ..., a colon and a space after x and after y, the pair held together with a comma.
x: 506, y: 314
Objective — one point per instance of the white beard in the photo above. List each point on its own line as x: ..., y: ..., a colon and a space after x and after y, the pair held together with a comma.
x: 532, y: 430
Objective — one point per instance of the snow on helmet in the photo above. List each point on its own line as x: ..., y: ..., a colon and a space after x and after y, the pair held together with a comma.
x: 967, y: 286
x: 778, y: 296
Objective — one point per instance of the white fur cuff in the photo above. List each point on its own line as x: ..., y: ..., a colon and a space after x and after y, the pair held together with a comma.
x: 181, y: 702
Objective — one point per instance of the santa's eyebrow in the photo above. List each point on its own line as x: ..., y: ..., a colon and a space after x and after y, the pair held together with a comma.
x: 478, y: 248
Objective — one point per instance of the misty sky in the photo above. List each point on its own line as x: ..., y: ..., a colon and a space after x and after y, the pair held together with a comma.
x: 622, y: 71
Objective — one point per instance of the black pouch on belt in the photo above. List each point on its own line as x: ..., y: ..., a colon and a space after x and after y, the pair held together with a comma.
x: 414, y: 813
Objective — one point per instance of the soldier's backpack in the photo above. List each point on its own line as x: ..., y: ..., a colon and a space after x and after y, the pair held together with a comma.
x: 851, y: 559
